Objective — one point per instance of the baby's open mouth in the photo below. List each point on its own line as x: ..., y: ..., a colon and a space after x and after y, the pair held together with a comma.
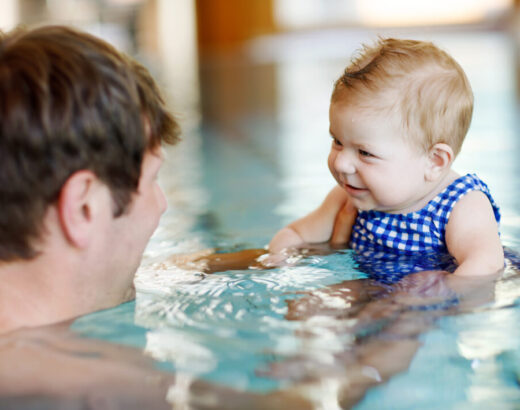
x: 353, y: 190
x: 354, y: 187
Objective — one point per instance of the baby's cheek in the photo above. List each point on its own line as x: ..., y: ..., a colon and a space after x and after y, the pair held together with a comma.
x: 330, y: 163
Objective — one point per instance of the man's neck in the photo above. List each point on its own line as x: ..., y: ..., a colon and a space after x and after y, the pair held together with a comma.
x: 33, y: 294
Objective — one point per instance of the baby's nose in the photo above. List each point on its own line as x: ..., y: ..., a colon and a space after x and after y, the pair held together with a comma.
x: 345, y: 163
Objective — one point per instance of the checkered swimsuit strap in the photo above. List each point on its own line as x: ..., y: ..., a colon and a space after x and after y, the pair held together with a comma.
x: 421, y: 231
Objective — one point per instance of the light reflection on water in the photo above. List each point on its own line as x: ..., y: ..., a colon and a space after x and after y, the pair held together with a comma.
x: 230, y: 328
x: 233, y: 324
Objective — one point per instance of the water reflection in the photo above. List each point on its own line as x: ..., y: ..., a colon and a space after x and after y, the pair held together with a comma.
x: 265, y: 330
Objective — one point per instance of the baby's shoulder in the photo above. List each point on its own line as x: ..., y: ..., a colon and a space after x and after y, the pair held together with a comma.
x: 466, y: 194
x: 470, y: 204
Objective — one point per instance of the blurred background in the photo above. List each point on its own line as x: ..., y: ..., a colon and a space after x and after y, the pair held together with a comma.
x: 250, y: 81
x: 180, y: 40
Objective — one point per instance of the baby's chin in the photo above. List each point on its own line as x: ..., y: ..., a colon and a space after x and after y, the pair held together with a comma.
x: 364, y: 201
x: 371, y: 207
x: 362, y: 205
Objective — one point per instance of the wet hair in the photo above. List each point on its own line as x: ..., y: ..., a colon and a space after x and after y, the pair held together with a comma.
x: 69, y: 101
x: 424, y: 85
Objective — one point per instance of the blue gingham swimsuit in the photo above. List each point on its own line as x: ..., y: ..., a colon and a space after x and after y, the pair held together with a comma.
x: 390, y: 246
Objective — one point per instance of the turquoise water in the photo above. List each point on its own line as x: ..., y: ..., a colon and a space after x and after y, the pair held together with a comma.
x: 255, y: 160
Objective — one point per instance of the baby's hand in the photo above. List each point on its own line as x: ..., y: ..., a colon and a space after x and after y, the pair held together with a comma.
x: 422, y: 288
x: 284, y: 239
x: 286, y: 257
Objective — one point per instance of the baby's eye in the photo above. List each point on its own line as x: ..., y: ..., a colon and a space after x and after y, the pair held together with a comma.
x: 364, y: 153
x: 337, y: 142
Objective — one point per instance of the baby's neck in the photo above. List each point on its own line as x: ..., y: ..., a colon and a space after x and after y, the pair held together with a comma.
x: 436, y: 187
x: 443, y: 182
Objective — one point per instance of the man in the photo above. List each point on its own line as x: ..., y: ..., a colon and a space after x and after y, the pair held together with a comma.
x: 81, y: 127
x: 80, y: 132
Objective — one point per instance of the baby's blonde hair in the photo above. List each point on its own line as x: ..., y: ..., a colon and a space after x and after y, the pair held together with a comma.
x: 416, y: 80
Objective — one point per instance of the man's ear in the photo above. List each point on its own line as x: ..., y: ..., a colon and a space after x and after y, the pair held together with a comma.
x: 440, y: 158
x: 78, y: 206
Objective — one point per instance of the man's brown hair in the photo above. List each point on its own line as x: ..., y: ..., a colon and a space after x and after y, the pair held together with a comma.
x: 69, y: 101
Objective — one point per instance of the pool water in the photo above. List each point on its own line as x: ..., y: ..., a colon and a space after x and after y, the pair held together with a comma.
x: 255, y: 160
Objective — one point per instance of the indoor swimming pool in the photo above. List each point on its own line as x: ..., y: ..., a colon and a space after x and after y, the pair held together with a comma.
x: 253, y: 160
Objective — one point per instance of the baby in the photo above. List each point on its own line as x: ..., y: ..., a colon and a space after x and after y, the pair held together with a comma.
x: 398, y: 117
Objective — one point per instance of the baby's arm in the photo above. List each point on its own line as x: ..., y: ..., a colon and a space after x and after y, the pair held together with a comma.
x: 472, y: 236
x: 317, y: 226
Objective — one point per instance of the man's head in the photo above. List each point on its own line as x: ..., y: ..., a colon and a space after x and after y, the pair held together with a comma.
x: 69, y: 102
x: 414, y: 82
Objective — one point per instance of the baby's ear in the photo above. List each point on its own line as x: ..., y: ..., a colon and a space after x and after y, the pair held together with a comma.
x: 440, y: 158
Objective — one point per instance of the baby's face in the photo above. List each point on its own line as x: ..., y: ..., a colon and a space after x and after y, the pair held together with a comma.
x: 372, y: 161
